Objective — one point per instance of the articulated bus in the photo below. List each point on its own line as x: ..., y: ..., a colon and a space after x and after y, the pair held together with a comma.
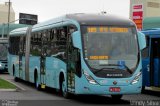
x: 151, y: 60
x: 79, y: 54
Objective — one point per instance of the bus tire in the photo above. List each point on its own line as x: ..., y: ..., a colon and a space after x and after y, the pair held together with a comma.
x: 116, y: 97
x: 15, y: 78
x: 37, y: 85
x: 63, y: 87
x: 64, y: 91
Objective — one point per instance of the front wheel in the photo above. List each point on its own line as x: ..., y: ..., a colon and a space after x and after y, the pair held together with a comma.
x: 116, y: 97
x: 65, y: 94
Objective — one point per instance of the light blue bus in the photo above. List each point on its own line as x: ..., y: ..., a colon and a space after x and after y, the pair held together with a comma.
x: 79, y: 54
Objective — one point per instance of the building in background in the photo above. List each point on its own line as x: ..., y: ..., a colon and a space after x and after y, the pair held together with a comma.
x: 4, y: 13
x: 145, y: 13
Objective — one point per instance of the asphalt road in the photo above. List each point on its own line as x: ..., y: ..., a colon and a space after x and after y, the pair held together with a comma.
x: 29, y: 96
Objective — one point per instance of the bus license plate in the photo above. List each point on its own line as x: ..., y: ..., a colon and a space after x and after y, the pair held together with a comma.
x: 114, y: 89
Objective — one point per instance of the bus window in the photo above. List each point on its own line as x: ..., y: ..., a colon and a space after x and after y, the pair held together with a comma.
x: 3, y: 51
x: 155, y: 47
x: 13, y: 48
x: 35, y: 44
x: 22, y: 46
x: 145, y: 52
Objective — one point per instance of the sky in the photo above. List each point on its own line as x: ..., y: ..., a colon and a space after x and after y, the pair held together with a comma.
x: 48, y: 9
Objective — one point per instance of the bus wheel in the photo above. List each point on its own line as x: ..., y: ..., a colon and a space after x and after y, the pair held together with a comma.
x: 116, y: 97
x: 65, y: 94
x: 37, y: 85
x: 15, y: 78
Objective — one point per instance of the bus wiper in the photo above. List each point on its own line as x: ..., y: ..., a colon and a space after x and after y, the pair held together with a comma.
x: 130, y: 71
x: 102, y: 70
x: 119, y: 65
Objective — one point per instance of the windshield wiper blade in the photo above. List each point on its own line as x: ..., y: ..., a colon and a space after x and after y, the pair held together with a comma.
x: 119, y: 65
x: 130, y: 71
x: 102, y: 70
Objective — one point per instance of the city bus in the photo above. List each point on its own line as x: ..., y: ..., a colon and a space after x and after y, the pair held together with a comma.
x: 88, y: 54
x: 151, y: 60
x: 3, y: 54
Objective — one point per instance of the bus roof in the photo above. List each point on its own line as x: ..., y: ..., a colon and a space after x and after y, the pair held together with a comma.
x: 19, y: 31
x: 86, y: 19
x: 100, y: 19
x: 154, y: 32
x: 82, y: 19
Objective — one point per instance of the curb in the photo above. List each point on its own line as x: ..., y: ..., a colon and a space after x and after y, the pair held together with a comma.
x: 17, y: 89
x: 8, y: 90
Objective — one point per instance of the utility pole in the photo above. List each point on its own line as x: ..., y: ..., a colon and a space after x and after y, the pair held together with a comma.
x: 3, y: 31
x: 8, y: 18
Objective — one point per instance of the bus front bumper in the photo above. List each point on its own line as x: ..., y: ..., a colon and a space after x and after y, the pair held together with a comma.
x: 106, y: 90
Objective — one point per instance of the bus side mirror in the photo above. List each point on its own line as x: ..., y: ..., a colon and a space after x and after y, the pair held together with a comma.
x: 141, y: 40
x: 76, y: 39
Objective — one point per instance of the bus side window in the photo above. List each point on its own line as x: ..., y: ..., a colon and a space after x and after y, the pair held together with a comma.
x: 53, y: 35
x: 35, y: 44
x: 62, y: 42
x: 24, y: 45
x: 15, y: 48
x: 145, y: 52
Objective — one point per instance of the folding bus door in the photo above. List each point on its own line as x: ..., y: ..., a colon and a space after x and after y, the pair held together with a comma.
x: 21, y: 55
x: 43, y: 61
x: 71, y: 63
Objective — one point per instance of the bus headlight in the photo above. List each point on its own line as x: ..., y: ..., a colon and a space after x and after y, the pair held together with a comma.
x: 89, y: 78
x: 0, y: 64
x: 136, y: 78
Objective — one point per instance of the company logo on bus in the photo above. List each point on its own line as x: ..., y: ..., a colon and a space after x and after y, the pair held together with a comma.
x: 115, y: 82
x: 114, y: 75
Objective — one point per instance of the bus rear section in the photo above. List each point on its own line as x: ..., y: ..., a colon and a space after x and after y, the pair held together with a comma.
x: 151, y: 61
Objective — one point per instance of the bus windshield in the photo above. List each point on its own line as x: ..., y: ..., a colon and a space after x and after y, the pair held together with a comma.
x: 107, y: 47
x: 3, y: 51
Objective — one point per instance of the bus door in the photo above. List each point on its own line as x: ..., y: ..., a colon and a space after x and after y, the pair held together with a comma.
x: 155, y: 62
x: 73, y: 61
x: 71, y: 66
x: 21, y: 48
x: 145, y: 63
x: 43, y: 62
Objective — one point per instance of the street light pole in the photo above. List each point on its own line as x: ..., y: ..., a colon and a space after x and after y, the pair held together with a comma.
x: 8, y: 18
